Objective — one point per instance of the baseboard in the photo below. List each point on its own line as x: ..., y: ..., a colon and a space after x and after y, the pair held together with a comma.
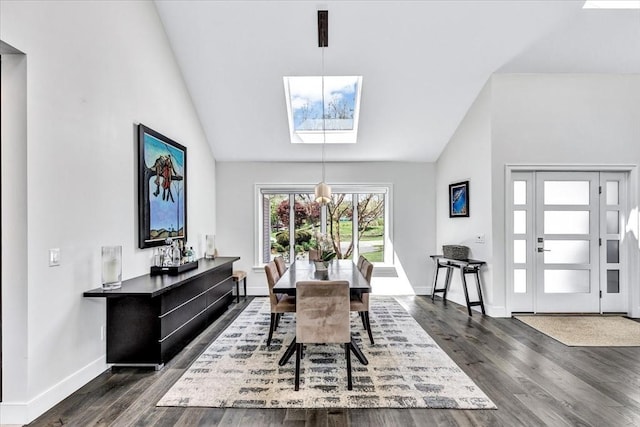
x: 25, y: 412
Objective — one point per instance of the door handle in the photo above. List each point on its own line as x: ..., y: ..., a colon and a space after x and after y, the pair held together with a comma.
x: 544, y: 250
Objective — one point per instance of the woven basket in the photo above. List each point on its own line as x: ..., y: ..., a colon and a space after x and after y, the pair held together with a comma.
x: 455, y: 251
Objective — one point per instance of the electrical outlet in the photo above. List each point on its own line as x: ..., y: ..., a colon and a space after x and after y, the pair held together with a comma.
x: 479, y: 238
x: 54, y: 257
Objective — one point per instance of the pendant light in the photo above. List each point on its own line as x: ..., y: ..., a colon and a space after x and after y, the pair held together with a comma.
x: 322, y: 189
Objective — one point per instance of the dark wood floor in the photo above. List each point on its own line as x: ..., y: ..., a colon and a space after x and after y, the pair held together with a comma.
x: 533, y: 380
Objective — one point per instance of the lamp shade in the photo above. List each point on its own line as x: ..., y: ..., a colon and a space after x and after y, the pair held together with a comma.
x: 323, y: 193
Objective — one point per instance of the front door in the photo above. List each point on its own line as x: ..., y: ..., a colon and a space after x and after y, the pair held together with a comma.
x: 567, y: 242
x: 566, y: 232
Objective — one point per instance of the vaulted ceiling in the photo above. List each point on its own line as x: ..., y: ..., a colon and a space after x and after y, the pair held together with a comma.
x: 423, y: 63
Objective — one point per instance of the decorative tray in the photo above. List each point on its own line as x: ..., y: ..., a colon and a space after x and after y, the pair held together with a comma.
x: 174, y: 270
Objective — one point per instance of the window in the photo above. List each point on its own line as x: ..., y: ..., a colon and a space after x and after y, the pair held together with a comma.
x: 312, y: 123
x: 356, y: 222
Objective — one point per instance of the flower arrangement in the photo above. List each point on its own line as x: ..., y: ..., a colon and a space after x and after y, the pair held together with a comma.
x: 324, y: 245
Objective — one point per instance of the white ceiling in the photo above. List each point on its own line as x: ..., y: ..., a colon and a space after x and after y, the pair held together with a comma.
x: 423, y: 64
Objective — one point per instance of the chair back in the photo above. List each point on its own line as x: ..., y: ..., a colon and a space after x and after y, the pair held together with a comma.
x: 367, y: 270
x: 361, y: 259
x: 322, y: 312
x: 280, y: 265
x: 271, y: 271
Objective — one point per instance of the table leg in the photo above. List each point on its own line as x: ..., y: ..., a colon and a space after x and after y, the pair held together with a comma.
x: 464, y: 287
x: 476, y: 272
x: 447, y: 283
x: 435, y: 281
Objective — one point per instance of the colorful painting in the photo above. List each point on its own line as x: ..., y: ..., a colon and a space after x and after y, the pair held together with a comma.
x: 162, y: 175
x: 459, y: 199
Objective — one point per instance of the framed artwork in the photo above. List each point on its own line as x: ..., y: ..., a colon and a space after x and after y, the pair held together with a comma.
x: 459, y: 199
x: 162, y: 188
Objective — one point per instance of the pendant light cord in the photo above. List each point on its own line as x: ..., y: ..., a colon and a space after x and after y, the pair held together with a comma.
x: 324, y: 131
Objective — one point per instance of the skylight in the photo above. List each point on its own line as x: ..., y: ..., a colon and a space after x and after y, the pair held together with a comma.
x: 341, y: 109
x: 611, y: 4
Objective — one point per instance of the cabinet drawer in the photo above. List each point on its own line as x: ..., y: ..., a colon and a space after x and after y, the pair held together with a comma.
x: 177, y: 318
x: 192, y: 289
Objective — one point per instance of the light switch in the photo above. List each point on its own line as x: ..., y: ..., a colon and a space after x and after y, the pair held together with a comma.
x: 54, y: 257
x: 479, y: 238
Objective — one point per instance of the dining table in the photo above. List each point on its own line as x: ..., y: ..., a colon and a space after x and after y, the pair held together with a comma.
x: 338, y: 269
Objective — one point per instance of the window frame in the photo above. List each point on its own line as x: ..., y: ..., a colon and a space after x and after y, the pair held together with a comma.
x: 261, y: 189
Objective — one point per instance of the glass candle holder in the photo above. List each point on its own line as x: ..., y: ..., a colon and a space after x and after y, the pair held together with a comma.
x: 210, y: 251
x: 111, y: 267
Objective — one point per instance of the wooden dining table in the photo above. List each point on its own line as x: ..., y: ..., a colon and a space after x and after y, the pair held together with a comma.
x: 303, y: 270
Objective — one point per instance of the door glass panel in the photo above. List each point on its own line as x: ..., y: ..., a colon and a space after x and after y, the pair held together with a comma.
x: 566, y: 281
x: 519, y: 251
x: 566, y: 222
x: 566, y: 192
x: 519, y: 192
x: 612, y: 193
x: 520, y: 281
x: 371, y: 226
x: 306, y: 213
x: 613, y: 281
x: 276, y: 235
x: 340, y: 224
x: 613, y: 252
x: 613, y: 223
x: 566, y: 252
x: 519, y: 222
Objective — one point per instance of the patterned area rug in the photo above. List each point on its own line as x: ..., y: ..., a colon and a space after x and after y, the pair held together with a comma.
x: 406, y: 368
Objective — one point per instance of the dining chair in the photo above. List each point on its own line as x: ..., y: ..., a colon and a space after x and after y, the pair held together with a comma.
x: 361, y: 304
x: 361, y: 259
x: 279, y: 303
x: 322, y: 317
x: 280, y: 265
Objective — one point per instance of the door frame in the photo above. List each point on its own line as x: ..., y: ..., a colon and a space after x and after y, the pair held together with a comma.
x: 632, y: 257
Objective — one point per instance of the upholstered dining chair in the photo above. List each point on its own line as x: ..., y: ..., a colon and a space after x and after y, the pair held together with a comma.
x: 279, y: 303
x: 361, y: 259
x: 361, y: 304
x: 280, y: 265
x: 322, y: 317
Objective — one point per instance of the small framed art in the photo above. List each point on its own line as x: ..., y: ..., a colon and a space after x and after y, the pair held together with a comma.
x: 459, y: 199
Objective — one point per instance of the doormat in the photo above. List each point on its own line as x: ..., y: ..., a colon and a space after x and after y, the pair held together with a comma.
x: 587, y: 331
x: 406, y: 369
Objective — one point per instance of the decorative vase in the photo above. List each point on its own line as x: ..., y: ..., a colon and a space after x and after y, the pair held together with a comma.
x: 210, y: 251
x: 111, y: 267
x: 321, y: 265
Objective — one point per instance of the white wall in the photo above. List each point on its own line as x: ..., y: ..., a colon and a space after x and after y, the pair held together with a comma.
x: 565, y: 119
x: 13, y: 110
x: 413, y: 211
x: 467, y: 157
x: 94, y: 70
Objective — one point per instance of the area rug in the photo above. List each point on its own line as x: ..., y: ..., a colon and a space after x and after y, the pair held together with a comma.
x: 587, y: 331
x: 406, y: 368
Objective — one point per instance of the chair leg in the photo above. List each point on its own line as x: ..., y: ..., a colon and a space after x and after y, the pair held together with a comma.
x: 277, y: 321
x: 245, y: 287
x: 237, y: 292
x: 271, y: 328
x: 297, y: 379
x: 347, y: 351
x: 364, y: 324
x: 368, y: 326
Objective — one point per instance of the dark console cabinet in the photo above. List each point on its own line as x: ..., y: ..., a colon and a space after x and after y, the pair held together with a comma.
x: 151, y: 318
